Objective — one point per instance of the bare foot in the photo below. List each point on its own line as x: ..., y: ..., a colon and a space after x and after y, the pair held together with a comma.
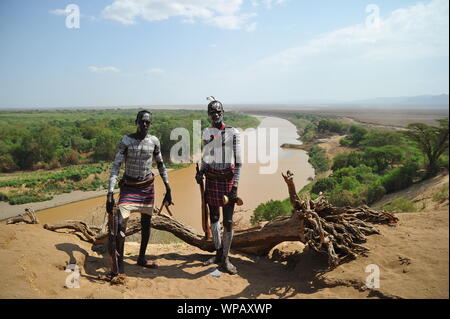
x: 147, y: 264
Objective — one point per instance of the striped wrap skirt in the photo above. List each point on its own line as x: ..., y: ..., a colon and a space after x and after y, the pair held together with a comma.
x: 138, y: 195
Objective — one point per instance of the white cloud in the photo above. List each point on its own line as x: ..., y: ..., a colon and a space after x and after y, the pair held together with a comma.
x: 419, y: 31
x: 224, y: 14
x: 103, y: 69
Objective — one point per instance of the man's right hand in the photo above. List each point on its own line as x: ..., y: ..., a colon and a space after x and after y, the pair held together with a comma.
x: 199, y: 177
x: 110, y: 203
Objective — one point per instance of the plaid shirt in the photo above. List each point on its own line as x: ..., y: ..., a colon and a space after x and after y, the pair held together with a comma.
x: 138, y: 155
x: 222, y: 150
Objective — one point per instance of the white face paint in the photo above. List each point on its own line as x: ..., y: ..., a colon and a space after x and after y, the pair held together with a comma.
x: 143, y: 124
x: 146, y: 117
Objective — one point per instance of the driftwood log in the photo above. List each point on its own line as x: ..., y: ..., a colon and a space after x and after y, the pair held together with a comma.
x: 29, y: 217
x: 89, y: 232
x: 337, y: 232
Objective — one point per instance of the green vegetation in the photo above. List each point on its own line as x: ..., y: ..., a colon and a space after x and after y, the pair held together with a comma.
x: 357, y: 133
x: 270, y: 210
x: 318, y: 159
x: 432, y: 141
x: 382, y: 162
x: 400, y: 205
x: 38, y: 186
x: 64, y: 150
x: 306, y: 125
x: 52, y: 139
x: 332, y: 126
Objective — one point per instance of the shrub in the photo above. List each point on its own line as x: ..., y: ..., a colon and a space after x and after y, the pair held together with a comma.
x: 379, y: 138
x: 3, y: 197
x: 350, y: 183
x: 399, y: 178
x: 54, y: 163
x: 375, y: 192
x: 318, y: 159
x: 357, y: 135
x: 362, y: 173
x: 345, y: 142
x: 400, y: 205
x: 25, y: 198
x: 71, y: 158
x: 323, y: 185
x: 7, y: 163
x: 75, y: 177
x: 347, y: 159
x: 270, y: 210
x: 40, y: 165
x: 342, y: 198
x: 332, y: 126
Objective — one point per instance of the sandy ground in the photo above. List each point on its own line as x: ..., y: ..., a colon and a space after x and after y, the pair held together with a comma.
x: 33, y: 262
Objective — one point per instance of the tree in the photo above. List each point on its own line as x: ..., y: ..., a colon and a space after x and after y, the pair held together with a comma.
x: 383, y: 157
x: 105, y: 145
x: 357, y: 134
x: 379, y: 138
x: 347, y: 159
x: 432, y: 141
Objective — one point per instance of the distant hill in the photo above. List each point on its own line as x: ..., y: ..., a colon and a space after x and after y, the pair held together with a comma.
x: 408, y: 101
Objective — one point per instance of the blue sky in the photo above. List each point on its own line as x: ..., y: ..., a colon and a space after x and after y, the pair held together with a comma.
x: 170, y: 52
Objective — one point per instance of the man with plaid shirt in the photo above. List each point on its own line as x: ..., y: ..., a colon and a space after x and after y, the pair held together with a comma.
x: 137, y: 150
x: 221, y: 164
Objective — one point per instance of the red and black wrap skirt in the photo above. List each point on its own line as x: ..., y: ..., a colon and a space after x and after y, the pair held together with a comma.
x: 218, y: 184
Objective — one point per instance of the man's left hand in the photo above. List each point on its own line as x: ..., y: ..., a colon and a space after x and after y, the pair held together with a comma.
x: 168, y: 197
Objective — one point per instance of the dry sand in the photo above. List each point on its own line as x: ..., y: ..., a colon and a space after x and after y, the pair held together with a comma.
x: 34, y: 259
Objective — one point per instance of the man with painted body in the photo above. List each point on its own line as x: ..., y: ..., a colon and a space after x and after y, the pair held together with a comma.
x: 221, y: 165
x: 137, y: 150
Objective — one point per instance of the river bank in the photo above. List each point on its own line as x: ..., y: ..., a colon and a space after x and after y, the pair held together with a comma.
x: 7, y: 210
